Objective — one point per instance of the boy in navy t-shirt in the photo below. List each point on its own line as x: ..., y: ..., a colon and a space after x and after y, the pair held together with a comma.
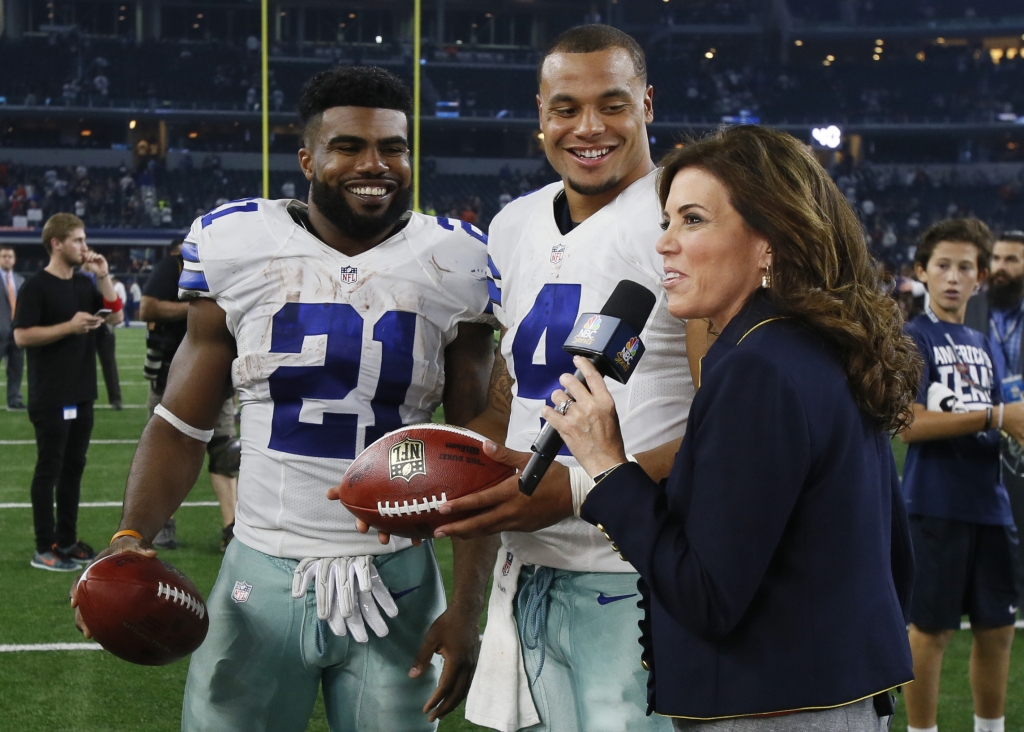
x: 960, y: 520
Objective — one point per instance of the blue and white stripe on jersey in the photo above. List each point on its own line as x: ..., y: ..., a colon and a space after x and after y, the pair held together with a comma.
x: 192, y: 276
x: 493, y: 287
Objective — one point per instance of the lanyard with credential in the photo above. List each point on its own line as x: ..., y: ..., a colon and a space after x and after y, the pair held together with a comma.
x: 1002, y: 340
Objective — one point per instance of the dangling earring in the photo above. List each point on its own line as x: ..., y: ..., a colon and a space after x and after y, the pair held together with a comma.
x: 766, y: 279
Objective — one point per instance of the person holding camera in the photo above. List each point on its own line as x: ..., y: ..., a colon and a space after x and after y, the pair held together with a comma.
x: 166, y: 316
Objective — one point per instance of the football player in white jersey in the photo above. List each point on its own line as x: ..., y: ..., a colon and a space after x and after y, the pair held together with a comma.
x: 336, y: 323
x: 554, y: 254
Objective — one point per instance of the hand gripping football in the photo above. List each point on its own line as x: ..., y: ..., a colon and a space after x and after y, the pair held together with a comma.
x: 142, y: 609
x: 398, y: 483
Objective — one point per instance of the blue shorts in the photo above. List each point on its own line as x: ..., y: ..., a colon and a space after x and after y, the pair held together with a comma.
x: 267, y: 654
x: 963, y: 569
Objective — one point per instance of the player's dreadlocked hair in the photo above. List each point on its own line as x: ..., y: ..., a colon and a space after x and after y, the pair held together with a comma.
x: 352, y: 86
x: 822, y: 274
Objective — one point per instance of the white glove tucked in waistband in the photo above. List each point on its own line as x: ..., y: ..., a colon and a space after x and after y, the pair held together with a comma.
x: 346, y: 588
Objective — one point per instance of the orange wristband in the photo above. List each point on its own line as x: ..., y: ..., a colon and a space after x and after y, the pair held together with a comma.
x: 126, y: 532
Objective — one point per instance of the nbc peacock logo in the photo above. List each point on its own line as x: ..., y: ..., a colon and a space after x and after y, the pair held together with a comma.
x: 628, y: 352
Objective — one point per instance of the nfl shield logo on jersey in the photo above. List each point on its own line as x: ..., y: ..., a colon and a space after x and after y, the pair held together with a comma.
x: 241, y: 591
x: 349, y: 275
x: 556, y: 253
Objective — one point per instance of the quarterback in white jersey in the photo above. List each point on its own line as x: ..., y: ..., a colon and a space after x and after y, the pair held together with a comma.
x: 544, y: 280
x: 563, y: 626
x: 336, y: 322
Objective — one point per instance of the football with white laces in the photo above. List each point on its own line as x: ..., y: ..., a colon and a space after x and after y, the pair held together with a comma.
x: 399, y: 483
x: 142, y: 609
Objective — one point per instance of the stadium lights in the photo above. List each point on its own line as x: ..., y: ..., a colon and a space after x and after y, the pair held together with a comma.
x: 193, y: 135
x: 876, y: 57
x: 131, y: 125
x: 830, y: 57
x: 940, y: 40
x: 709, y: 54
x: 878, y: 49
x: 798, y: 42
x: 379, y: 39
x: 830, y: 137
x: 879, y: 42
x: 920, y: 56
x: 86, y: 133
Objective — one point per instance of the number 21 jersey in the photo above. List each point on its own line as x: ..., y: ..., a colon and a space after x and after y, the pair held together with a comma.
x: 333, y: 352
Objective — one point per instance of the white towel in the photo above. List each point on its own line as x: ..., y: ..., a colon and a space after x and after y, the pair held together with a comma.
x: 500, y: 696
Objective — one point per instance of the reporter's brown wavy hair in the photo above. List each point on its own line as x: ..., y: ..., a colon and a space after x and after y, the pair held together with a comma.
x: 822, y: 274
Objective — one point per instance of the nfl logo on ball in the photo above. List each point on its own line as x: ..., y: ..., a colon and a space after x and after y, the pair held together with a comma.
x: 241, y: 591
x: 349, y: 275
x: 405, y: 459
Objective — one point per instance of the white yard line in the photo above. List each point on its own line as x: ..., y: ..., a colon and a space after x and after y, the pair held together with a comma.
x: 122, y: 383
x: 114, y: 504
x: 17, y: 648
x: 966, y: 625
x: 91, y: 442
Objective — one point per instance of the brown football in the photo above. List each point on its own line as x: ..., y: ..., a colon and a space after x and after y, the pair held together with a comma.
x: 142, y: 609
x: 398, y: 483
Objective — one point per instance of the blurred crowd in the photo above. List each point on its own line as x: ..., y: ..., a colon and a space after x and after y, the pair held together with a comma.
x: 895, y: 203
x: 695, y: 80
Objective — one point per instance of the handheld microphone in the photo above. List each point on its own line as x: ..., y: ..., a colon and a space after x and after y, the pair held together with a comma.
x: 611, y: 341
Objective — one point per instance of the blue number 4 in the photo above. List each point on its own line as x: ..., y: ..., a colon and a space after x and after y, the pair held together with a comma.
x: 552, y: 317
x: 290, y: 386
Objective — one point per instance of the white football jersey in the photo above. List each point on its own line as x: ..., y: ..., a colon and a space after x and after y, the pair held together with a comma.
x: 333, y: 352
x: 540, y: 281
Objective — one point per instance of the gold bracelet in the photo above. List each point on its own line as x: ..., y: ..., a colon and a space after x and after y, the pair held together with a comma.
x: 606, y: 473
x: 125, y: 532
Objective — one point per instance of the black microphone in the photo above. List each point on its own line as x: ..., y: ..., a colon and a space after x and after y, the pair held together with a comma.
x: 611, y: 341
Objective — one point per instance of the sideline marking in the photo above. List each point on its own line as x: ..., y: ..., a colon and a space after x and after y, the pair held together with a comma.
x: 114, y: 504
x: 50, y: 647
x: 91, y: 442
x: 966, y: 625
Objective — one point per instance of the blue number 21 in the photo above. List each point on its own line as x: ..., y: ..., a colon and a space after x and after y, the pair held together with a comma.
x: 290, y: 385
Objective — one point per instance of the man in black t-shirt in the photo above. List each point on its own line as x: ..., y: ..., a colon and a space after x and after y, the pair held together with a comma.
x: 58, y: 313
x: 166, y: 315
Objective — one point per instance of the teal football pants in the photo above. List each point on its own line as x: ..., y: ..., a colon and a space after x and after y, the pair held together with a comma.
x: 584, y: 667
x: 267, y: 654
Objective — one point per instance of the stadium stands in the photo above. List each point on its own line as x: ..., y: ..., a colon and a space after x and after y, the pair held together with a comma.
x: 697, y: 80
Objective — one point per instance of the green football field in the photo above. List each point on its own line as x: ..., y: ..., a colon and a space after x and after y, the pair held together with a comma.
x: 90, y: 690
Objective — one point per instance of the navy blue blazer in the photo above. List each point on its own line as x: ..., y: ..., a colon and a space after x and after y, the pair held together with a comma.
x: 775, y: 562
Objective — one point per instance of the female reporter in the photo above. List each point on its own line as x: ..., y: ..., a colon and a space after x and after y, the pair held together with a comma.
x: 775, y: 561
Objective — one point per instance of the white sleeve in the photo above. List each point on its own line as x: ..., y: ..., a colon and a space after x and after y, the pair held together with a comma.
x: 192, y: 282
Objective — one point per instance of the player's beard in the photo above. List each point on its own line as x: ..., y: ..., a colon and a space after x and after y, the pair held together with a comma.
x: 594, y: 189
x: 331, y: 202
x: 1005, y: 292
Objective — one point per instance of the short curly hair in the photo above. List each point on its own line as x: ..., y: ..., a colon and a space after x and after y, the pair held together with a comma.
x: 352, y: 86
x: 965, y: 230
